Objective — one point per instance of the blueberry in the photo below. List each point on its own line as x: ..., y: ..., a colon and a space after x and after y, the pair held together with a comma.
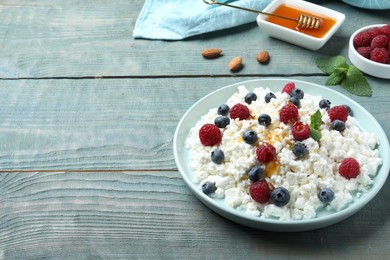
x: 223, y: 110
x: 338, y: 125
x: 208, y: 187
x: 255, y: 173
x: 350, y: 113
x: 299, y: 149
x: 250, y: 136
x: 324, y: 103
x: 249, y: 97
x: 217, y: 156
x: 296, y: 92
x: 280, y: 196
x: 296, y: 101
x: 269, y: 96
x: 264, y: 120
x: 222, y: 121
x: 326, y: 195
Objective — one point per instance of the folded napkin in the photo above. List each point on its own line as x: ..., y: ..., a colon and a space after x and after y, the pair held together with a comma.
x: 179, y: 19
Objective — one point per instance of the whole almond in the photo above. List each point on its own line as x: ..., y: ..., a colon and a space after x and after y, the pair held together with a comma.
x: 263, y: 57
x: 211, y: 53
x: 235, y: 64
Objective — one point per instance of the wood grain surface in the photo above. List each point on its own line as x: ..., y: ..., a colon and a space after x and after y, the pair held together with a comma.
x: 88, y: 116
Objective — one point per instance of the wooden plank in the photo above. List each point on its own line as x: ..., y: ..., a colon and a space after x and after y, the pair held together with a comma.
x: 95, y: 40
x: 153, y: 215
x: 111, y: 123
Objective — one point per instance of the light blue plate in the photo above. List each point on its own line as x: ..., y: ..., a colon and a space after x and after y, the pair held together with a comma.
x: 367, y: 123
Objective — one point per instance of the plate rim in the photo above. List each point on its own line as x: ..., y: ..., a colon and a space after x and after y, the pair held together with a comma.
x: 270, y: 224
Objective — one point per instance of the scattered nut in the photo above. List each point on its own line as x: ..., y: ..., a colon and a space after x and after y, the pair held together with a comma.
x: 235, y: 64
x: 263, y: 57
x: 211, y: 53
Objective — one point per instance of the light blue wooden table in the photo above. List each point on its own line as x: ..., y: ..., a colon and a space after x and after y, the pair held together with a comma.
x: 87, y: 121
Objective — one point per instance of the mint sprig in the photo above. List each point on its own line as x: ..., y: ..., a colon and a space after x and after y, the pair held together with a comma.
x: 315, y: 124
x: 348, y: 76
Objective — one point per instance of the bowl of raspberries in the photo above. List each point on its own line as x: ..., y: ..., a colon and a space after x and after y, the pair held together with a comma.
x: 369, y: 50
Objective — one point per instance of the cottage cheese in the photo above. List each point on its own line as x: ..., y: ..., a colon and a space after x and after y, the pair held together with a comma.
x: 303, y: 178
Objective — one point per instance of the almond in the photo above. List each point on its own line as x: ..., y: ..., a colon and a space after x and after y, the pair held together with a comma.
x: 235, y: 64
x: 211, y: 53
x: 263, y: 57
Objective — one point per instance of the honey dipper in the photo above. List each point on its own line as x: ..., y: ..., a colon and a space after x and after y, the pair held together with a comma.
x: 304, y: 21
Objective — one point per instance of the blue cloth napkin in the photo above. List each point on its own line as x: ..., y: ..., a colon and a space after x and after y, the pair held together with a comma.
x: 179, y: 19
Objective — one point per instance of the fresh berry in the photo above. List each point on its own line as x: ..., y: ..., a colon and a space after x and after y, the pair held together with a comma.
x: 288, y: 88
x: 296, y: 101
x: 221, y: 121
x: 208, y: 187
x: 280, y: 196
x: 217, y: 156
x: 239, y: 111
x: 264, y: 119
x: 249, y: 97
x: 350, y: 112
x: 269, y: 96
x: 255, y: 173
x: 260, y: 191
x: 338, y: 112
x: 380, y: 41
x: 324, y: 103
x: 288, y: 113
x: 209, y: 135
x: 338, y: 125
x: 299, y: 150
x: 349, y: 168
x: 300, y: 131
x: 326, y: 195
x: 380, y: 55
x: 250, y: 137
x: 297, y: 92
x: 223, y: 110
x: 266, y: 153
x: 362, y: 39
x: 375, y: 31
x: 365, y: 51
x: 385, y: 29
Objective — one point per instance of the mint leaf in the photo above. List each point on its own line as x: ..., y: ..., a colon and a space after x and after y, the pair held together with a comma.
x: 315, y: 124
x: 329, y: 64
x: 340, y: 73
x: 315, y: 134
x: 316, y: 120
x: 356, y: 83
x: 337, y: 76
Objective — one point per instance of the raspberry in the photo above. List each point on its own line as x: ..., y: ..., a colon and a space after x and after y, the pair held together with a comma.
x: 266, y: 153
x: 288, y: 113
x: 300, y: 131
x: 375, y: 31
x: 260, y: 191
x: 385, y: 29
x: 288, y: 88
x: 380, y: 55
x: 209, y: 135
x: 239, y: 111
x: 349, y: 168
x: 380, y: 41
x: 338, y: 113
x: 365, y: 51
x: 362, y: 39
